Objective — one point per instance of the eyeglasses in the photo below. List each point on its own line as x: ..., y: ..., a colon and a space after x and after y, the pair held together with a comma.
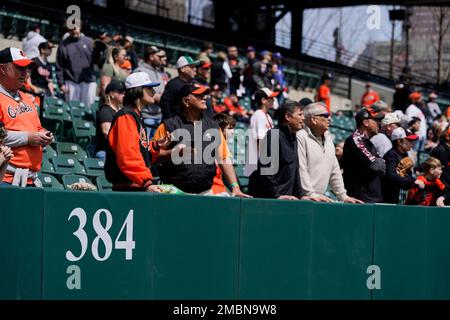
x: 325, y: 115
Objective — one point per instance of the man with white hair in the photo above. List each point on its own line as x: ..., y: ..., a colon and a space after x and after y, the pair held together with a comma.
x: 382, y: 140
x: 319, y: 166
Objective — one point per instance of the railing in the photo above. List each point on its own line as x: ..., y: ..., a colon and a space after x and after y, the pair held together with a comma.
x: 358, y: 61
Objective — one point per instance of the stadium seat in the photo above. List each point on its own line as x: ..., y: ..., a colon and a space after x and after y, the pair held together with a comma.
x: 49, y: 152
x: 46, y: 166
x: 80, y: 105
x: 69, y: 179
x: 67, y: 165
x: 49, y: 181
x: 77, y: 113
x: 71, y: 149
x: 84, y: 132
x: 94, y: 167
x: 54, y: 119
x: 103, y: 184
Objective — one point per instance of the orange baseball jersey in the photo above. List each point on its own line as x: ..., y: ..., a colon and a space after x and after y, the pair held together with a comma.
x: 323, y: 95
x: 369, y: 98
x: 22, y: 115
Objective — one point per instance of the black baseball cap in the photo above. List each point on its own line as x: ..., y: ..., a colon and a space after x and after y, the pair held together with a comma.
x: 115, y: 85
x: 305, y: 101
x: 45, y: 45
x: 327, y: 76
x: 372, y: 112
x: 195, y: 89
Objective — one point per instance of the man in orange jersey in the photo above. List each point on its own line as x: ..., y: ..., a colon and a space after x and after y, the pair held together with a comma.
x: 324, y: 93
x: 369, y: 97
x: 26, y: 137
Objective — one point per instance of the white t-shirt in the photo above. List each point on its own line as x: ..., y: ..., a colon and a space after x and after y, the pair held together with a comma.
x: 260, y: 123
x: 414, y: 111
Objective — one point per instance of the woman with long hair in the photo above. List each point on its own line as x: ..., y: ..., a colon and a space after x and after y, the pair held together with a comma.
x: 112, y: 69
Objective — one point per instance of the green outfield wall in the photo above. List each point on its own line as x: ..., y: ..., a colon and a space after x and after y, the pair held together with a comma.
x: 92, y: 245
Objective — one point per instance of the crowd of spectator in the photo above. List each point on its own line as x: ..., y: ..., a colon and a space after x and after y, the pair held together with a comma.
x: 177, y: 126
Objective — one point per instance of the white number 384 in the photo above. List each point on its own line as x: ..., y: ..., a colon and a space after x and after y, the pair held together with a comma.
x: 102, y: 235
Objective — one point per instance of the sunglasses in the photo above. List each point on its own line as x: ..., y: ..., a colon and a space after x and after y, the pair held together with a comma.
x: 325, y: 115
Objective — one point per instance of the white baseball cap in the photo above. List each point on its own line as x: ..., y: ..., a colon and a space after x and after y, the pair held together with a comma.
x: 186, y: 61
x: 400, y: 133
x: 390, y: 118
x: 139, y: 79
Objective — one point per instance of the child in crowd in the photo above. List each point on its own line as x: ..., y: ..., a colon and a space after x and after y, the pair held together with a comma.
x: 5, y: 152
x: 432, y: 188
x: 226, y: 124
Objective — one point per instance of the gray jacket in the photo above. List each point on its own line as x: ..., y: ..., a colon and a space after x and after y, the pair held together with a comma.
x: 74, y: 60
x: 154, y: 74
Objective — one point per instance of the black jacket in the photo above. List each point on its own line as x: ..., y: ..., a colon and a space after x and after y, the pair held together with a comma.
x: 392, y: 182
x: 193, y: 177
x: 363, y: 169
x: 442, y: 152
x: 286, y: 179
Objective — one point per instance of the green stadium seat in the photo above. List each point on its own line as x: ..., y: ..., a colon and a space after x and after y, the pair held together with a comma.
x: 69, y: 179
x: 71, y: 149
x: 84, y: 132
x: 54, y: 119
x: 94, y: 167
x: 51, y: 101
x: 103, y: 184
x: 49, y: 152
x: 46, y: 166
x: 49, y: 181
x: 77, y: 113
x: 67, y: 165
x: 81, y: 105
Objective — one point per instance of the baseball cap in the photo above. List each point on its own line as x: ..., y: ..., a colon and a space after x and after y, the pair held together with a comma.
x: 139, y: 79
x: 277, y: 55
x: 195, y: 89
x: 127, y: 65
x: 372, y: 112
x: 115, y: 85
x: 251, y: 49
x: 15, y: 56
x: 265, y: 93
x: 45, y: 45
x: 381, y: 105
x: 433, y: 95
x: 305, y: 101
x: 129, y: 39
x: 264, y: 53
x: 326, y: 76
x: 205, y: 65
x: 400, y: 133
x: 415, y: 95
x: 390, y: 118
x: 186, y: 61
